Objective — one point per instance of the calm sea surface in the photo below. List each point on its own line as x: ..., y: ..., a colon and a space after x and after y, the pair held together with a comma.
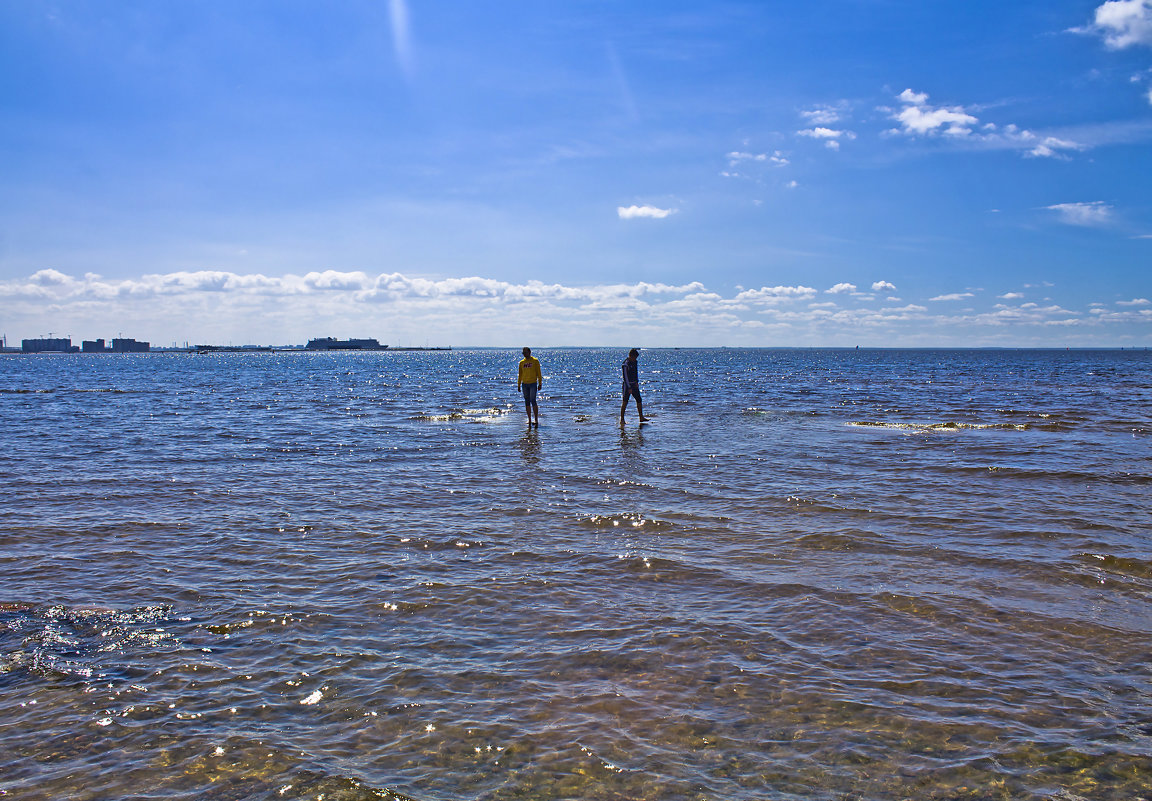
x: 814, y: 575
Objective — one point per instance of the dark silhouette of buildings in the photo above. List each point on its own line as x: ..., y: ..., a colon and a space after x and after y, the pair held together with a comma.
x: 48, y: 345
x: 119, y: 345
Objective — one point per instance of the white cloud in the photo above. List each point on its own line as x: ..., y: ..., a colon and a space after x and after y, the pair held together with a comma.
x: 1096, y: 212
x: 1011, y: 296
x: 220, y: 306
x: 917, y: 118
x: 821, y: 115
x: 953, y: 296
x: 196, y: 281
x: 826, y: 133
x: 49, y: 278
x: 1049, y: 146
x: 636, y: 212
x: 333, y: 280
x: 775, y: 294
x: 775, y: 159
x: 913, y: 98
x: 1124, y: 23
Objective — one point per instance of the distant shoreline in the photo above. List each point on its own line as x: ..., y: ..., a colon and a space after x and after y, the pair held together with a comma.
x: 219, y: 349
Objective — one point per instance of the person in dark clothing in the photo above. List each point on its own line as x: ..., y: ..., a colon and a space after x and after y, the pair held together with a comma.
x: 630, y: 373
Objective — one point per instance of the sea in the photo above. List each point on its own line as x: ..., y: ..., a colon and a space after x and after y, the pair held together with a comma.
x: 814, y: 574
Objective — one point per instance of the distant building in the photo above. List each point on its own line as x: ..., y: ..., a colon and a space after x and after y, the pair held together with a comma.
x: 331, y: 343
x: 48, y: 345
x: 129, y: 346
x: 119, y: 345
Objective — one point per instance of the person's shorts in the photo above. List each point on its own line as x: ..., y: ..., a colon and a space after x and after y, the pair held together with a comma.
x: 529, y: 391
x: 634, y: 391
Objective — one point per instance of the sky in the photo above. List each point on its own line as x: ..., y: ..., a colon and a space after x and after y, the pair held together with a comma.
x: 591, y: 172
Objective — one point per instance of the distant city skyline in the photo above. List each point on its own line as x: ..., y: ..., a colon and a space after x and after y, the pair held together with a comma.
x: 654, y: 174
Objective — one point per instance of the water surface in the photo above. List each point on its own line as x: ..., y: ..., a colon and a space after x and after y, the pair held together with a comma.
x: 815, y: 575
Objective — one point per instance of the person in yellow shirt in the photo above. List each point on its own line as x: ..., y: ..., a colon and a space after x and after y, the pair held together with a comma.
x: 528, y: 381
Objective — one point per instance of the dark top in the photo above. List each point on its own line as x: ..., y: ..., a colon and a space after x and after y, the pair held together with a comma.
x: 630, y: 372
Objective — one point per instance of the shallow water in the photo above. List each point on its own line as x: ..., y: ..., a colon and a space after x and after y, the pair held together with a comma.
x: 815, y: 575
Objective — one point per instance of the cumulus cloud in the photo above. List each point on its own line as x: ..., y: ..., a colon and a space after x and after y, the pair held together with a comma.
x: 1096, y: 212
x: 953, y: 296
x: 1124, y: 23
x: 333, y: 280
x: 49, y: 278
x: 215, y: 305
x: 638, y: 212
x: 397, y: 286
x: 775, y: 294
x: 1011, y: 296
x: 830, y: 136
x: 919, y: 118
x: 193, y: 281
x: 821, y: 133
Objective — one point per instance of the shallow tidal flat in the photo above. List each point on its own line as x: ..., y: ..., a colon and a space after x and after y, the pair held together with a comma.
x: 815, y: 575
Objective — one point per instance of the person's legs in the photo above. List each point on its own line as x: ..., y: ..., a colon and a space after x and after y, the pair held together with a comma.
x: 530, y: 403
x: 632, y: 393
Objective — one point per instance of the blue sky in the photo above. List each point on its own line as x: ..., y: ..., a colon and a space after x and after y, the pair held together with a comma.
x: 664, y: 173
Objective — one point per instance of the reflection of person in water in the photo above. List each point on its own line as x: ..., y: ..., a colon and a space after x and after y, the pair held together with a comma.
x: 528, y: 381
x: 631, y: 375
x: 529, y: 447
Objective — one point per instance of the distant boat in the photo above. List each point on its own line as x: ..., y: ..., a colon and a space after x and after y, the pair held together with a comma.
x: 331, y: 343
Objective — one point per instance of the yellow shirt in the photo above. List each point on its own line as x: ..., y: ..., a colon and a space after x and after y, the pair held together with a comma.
x: 529, y: 371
